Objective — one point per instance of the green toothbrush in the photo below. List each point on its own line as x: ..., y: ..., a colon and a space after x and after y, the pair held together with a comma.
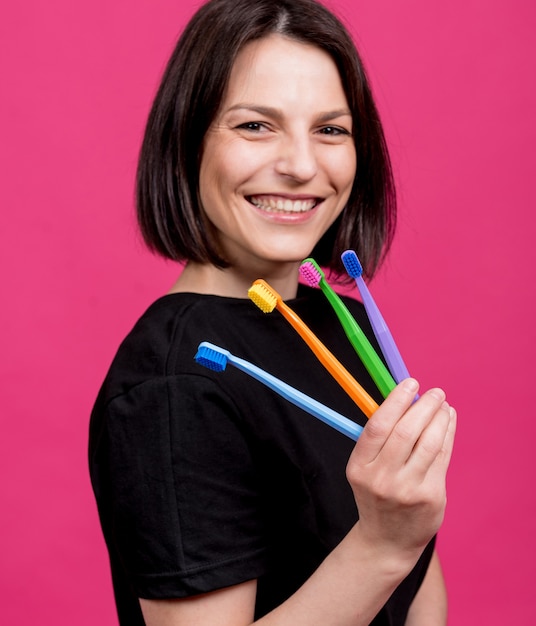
x: 314, y: 275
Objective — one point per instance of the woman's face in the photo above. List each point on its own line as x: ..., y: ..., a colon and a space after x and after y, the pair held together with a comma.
x: 279, y: 160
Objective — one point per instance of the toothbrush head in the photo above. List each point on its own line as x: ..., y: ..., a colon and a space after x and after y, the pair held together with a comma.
x: 352, y: 264
x: 264, y: 296
x: 311, y: 272
x: 212, y: 357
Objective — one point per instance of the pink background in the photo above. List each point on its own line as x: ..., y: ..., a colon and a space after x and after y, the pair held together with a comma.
x: 455, y: 84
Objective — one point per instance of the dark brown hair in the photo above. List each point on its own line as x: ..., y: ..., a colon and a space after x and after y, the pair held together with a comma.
x: 191, y: 91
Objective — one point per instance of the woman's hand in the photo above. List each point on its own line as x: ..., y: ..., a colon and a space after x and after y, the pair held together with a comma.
x: 398, y: 468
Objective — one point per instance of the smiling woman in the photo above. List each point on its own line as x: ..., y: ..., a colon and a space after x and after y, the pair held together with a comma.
x: 220, y: 502
x: 274, y: 175
x: 190, y: 96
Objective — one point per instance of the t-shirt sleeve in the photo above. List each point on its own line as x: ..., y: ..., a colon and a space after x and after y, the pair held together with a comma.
x: 186, y: 509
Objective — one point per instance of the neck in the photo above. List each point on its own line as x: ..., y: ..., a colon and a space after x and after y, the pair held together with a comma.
x: 233, y: 282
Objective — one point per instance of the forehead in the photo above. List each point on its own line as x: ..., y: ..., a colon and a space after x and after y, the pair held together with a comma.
x: 279, y: 68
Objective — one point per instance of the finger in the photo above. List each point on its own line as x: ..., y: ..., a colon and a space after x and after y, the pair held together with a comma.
x: 439, y: 466
x: 381, y: 424
x: 431, y: 442
x: 399, y: 448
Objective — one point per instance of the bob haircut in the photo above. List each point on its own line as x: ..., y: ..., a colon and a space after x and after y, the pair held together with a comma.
x: 170, y: 216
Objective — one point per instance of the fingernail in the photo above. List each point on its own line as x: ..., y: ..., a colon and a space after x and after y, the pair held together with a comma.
x: 410, y: 385
x: 438, y: 393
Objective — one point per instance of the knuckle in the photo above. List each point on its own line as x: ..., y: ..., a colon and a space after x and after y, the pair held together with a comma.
x: 355, y: 472
x: 376, y: 428
x: 352, y: 473
x: 430, y: 447
x: 403, y: 432
x: 382, y: 490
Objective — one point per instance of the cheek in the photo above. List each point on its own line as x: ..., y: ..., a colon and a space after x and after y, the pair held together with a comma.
x: 343, y: 170
x: 212, y: 178
x: 223, y: 167
x: 349, y: 165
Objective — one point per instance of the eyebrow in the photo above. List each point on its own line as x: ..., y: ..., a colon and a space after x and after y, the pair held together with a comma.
x: 277, y: 114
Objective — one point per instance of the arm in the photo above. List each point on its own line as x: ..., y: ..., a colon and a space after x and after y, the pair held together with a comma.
x: 348, y: 589
x: 397, y: 473
x: 234, y: 605
x: 430, y: 605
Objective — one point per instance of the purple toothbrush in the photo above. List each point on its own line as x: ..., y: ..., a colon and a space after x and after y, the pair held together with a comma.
x: 381, y: 330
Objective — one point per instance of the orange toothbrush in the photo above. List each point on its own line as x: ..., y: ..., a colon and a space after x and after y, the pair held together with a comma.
x: 267, y: 299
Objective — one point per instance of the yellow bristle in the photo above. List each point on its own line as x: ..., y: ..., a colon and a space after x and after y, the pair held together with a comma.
x: 263, y: 296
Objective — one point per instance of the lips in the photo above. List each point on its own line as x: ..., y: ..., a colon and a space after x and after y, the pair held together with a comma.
x: 283, y: 204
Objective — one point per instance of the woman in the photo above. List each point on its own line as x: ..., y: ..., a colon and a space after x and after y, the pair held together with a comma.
x: 221, y: 503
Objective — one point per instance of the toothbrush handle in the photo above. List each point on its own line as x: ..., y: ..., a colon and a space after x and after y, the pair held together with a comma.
x: 375, y: 367
x: 383, y: 334
x: 334, y: 367
x: 301, y: 400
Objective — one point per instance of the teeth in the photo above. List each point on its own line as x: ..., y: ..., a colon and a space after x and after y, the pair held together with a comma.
x: 269, y: 203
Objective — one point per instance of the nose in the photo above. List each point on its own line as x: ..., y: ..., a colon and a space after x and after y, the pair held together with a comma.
x: 297, y: 158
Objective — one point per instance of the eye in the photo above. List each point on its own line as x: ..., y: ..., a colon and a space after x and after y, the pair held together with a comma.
x: 333, y: 131
x: 253, y: 127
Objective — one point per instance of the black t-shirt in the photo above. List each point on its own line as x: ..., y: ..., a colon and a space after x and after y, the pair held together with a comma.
x: 205, y: 480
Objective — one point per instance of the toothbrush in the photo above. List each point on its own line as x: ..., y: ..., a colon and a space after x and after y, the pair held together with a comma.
x: 267, y: 299
x: 381, y: 330
x: 314, y: 275
x: 215, y: 358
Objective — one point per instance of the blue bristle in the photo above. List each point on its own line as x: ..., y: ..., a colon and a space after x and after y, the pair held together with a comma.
x: 210, y: 358
x: 352, y: 264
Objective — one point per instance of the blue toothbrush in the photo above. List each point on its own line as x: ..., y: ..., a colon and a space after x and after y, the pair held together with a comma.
x: 215, y: 358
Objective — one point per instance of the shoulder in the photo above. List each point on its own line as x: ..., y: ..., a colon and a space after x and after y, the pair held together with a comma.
x: 164, y: 340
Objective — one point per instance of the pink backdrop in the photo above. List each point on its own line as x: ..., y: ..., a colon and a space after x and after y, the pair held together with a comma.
x: 455, y: 84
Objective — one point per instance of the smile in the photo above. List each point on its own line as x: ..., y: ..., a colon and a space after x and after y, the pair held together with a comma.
x: 278, y: 204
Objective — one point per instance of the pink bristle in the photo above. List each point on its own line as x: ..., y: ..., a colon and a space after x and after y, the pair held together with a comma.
x: 310, y: 274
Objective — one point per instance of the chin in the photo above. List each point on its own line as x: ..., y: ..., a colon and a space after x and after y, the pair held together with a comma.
x: 290, y: 250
